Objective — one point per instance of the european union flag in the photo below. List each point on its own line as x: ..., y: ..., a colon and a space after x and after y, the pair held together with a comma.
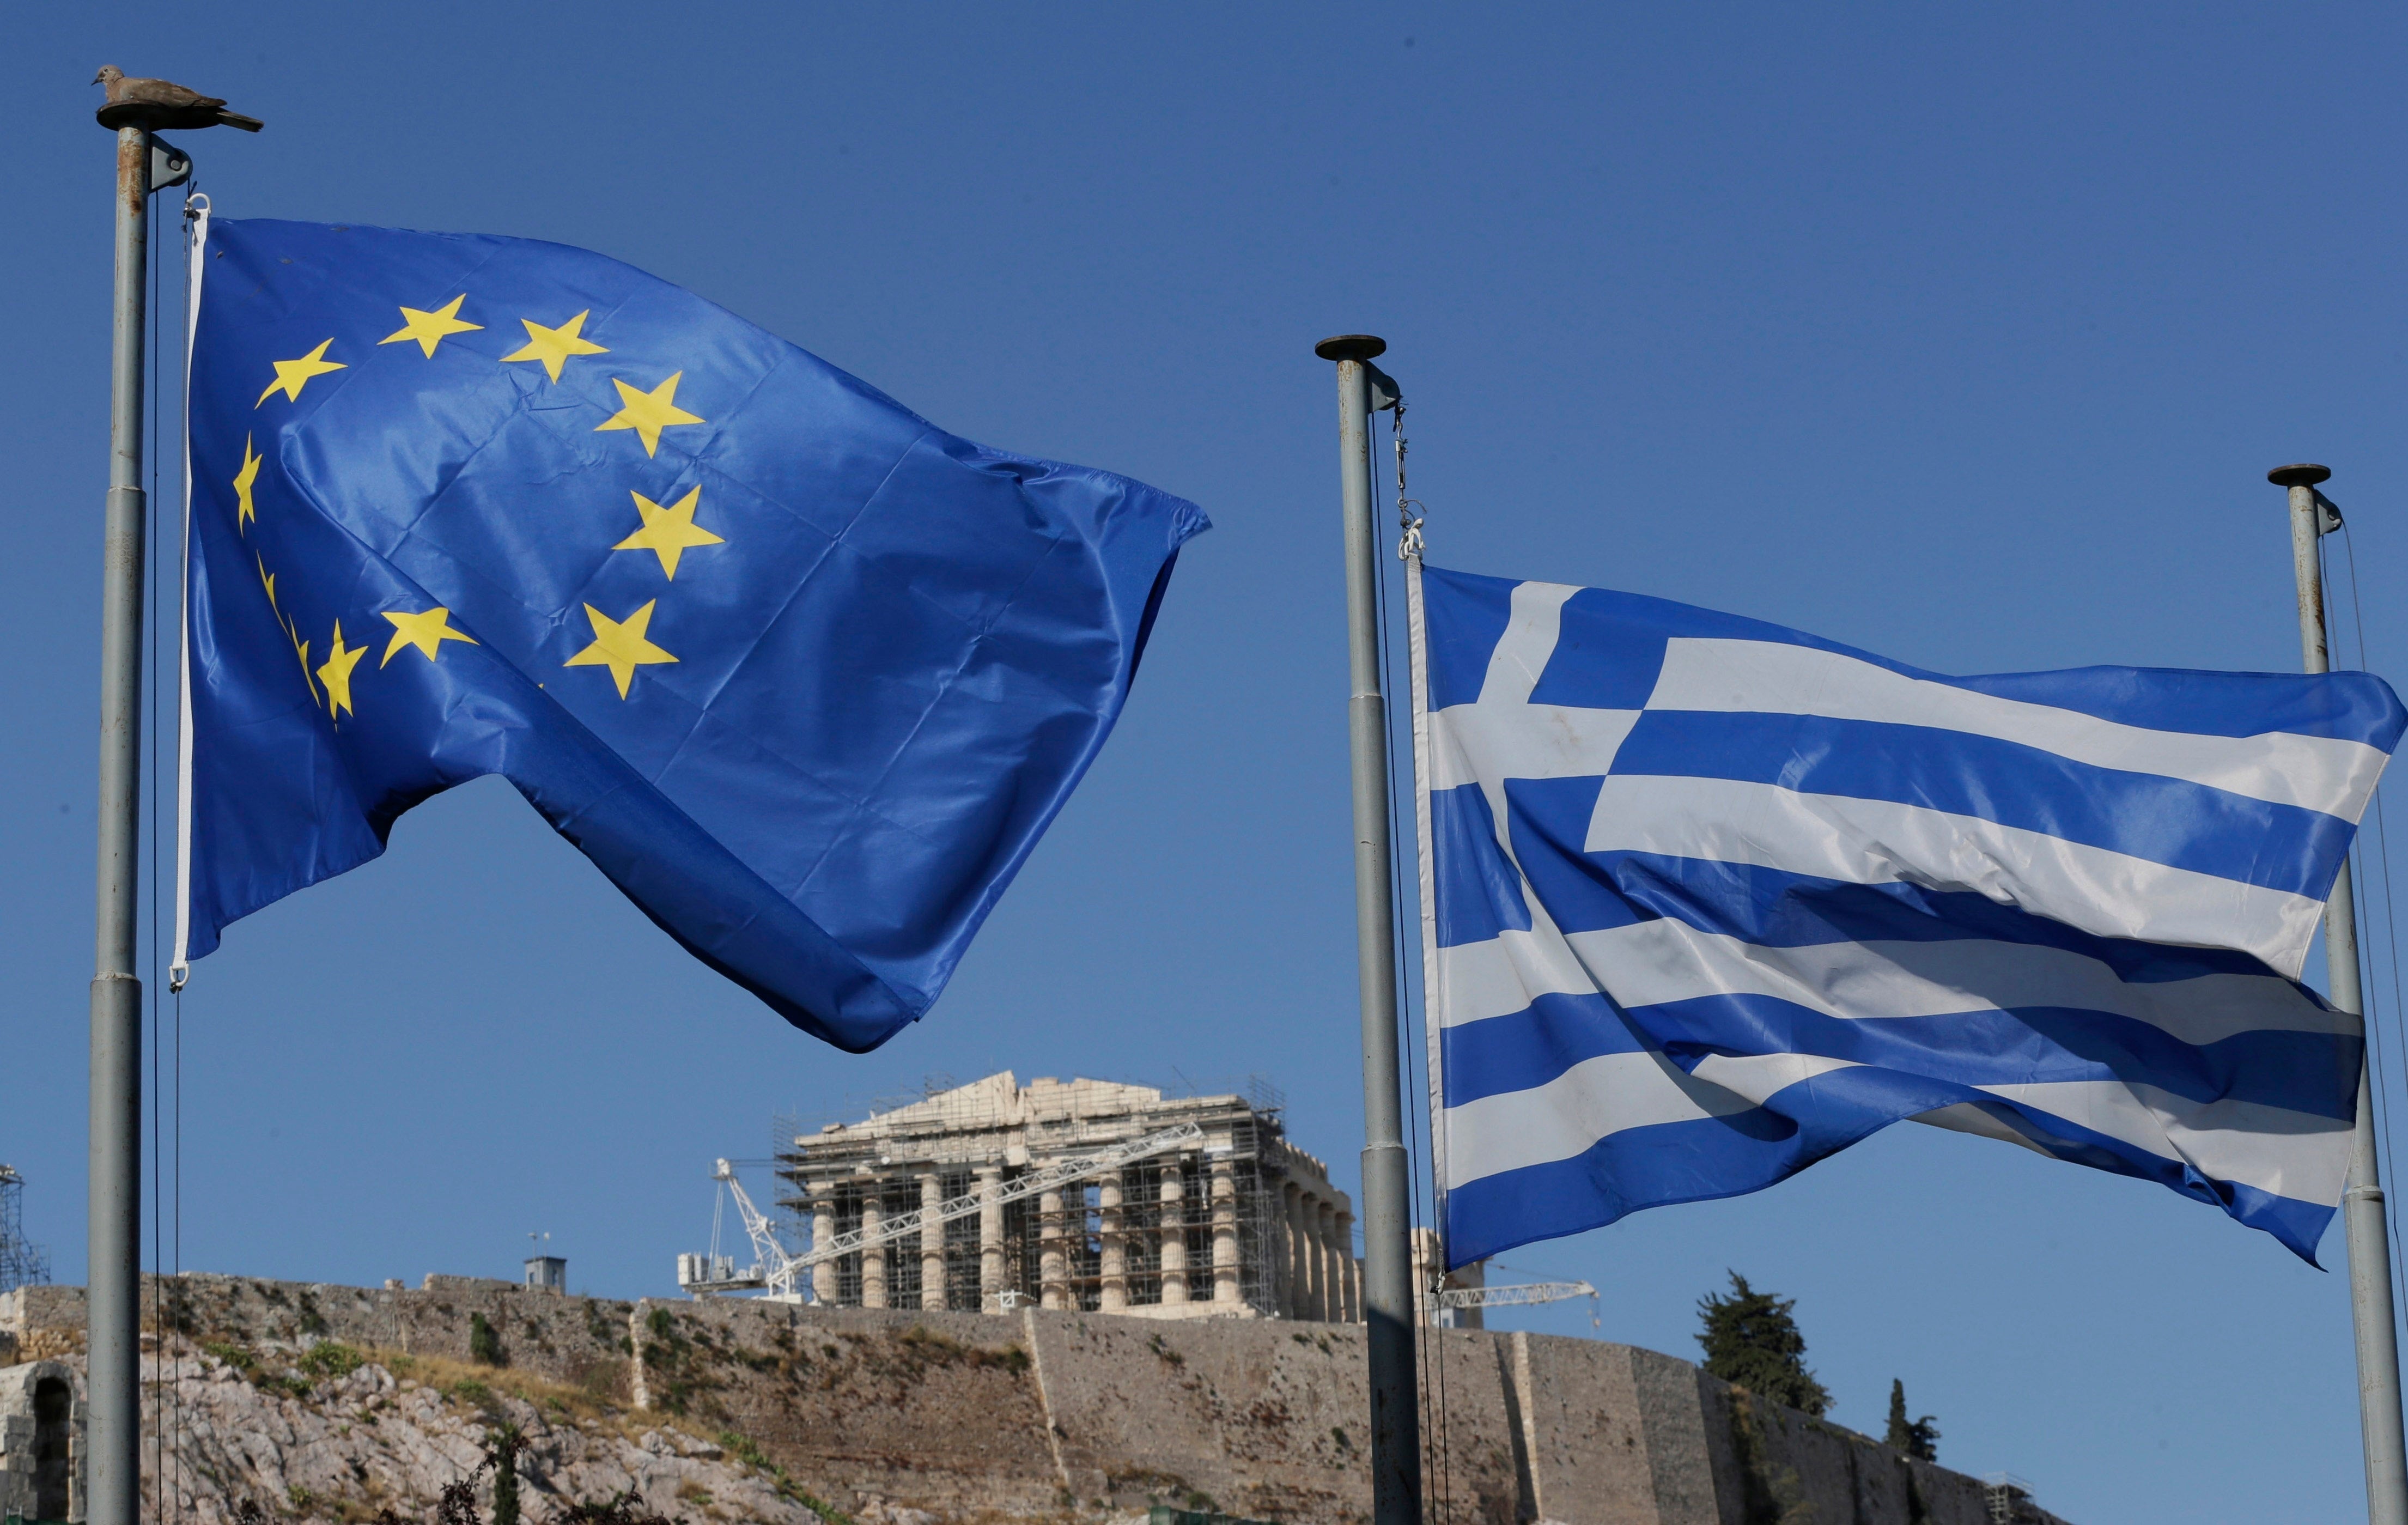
x: 805, y: 675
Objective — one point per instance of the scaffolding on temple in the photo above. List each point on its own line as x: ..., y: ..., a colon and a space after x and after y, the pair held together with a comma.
x: 1238, y: 1223
x: 22, y: 1262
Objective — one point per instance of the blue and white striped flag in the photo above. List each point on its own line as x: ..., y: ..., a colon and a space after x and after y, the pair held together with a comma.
x: 1706, y: 899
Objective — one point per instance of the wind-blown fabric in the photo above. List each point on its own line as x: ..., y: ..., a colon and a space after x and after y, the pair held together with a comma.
x: 1710, y: 899
x: 805, y: 675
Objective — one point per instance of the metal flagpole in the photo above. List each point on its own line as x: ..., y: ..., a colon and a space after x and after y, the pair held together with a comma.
x: 113, y: 1283
x: 2369, y: 1261
x: 113, y: 1432
x: 1388, y: 1293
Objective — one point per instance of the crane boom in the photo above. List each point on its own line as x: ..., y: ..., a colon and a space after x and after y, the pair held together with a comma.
x: 780, y: 1270
x: 1516, y: 1294
x: 769, y: 1256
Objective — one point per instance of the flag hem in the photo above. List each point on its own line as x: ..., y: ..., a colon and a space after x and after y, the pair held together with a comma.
x: 179, y: 966
x: 1433, y: 990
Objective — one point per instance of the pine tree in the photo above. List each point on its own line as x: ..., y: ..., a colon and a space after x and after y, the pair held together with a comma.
x: 1752, y: 1342
x: 504, y: 1454
x: 1918, y: 1438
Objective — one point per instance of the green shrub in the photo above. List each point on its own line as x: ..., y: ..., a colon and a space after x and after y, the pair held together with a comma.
x: 742, y: 1448
x: 485, y: 1341
x: 238, y: 1356
x: 331, y: 1359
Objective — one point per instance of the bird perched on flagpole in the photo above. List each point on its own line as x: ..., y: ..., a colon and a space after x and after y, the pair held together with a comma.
x: 159, y: 103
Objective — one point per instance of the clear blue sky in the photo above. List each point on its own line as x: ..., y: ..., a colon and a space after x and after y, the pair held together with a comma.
x: 1962, y: 334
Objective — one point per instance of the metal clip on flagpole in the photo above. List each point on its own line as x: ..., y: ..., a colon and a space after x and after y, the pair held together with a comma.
x: 2369, y: 1261
x: 113, y: 1302
x: 1389, y: 1298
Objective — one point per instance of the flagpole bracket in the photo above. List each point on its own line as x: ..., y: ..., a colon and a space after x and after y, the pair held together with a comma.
x: 1385, y: 393
x: 169, y: 164
x: 2311, y: 476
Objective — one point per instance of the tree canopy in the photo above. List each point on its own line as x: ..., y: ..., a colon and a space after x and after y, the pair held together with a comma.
x: 1752, y: 1342
x: 1918, y: 1438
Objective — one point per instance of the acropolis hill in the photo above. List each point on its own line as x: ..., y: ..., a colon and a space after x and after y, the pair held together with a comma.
x: 328, y: 1403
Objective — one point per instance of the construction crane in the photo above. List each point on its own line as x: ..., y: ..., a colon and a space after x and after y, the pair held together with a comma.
x: 1513, y: 1294
x: 1447, y: 1301
x: 778, y: 1272
x: 717, y: 1273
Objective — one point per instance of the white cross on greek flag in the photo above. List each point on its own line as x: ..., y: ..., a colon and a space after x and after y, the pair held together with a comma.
x: 1706, y: 899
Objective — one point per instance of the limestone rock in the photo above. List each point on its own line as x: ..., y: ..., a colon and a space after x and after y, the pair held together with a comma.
x: 256, y: 1425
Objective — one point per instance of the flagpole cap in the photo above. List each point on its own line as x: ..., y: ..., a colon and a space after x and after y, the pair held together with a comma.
x: 1352, y: 347
x: 2305, y: 474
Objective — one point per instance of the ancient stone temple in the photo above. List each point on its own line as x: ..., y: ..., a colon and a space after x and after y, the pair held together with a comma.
x: 1236, y: 1223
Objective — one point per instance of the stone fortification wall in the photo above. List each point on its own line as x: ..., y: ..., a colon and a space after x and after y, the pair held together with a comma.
x: 1047, y: 1414
x: 41, y: 1475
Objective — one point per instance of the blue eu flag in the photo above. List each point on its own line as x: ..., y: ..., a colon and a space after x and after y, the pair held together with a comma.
x: 805, y: 675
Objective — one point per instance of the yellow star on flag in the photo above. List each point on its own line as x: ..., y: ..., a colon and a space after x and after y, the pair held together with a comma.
x: 620, y: 645
x: 668, y: 532
x: 432, y: 328
x: 427, y: 632
x: 648, y: 412
x: 243, y: 513
x: 301, y: 650
x: 335, y: 673
x: 553, y: 346
x: 292, y: 375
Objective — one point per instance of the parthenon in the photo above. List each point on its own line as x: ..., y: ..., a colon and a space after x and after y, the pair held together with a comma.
x: 1239, y: 1224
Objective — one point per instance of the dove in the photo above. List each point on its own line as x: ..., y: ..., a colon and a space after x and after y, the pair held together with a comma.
x: 159, y: 103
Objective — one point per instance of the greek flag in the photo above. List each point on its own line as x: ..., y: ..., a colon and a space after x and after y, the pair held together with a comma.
x: 1706, y: 899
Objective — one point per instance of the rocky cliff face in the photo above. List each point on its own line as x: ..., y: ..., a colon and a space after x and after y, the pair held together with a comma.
x: 332, y: 1404
x: 331, y: 1437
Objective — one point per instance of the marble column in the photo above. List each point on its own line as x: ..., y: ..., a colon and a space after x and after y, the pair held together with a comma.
x: 990, y: 1182
x: 1173, y: 1255
x: 1307, y: 1248
x: 823, y: 1231
x: 1053, y: 1267
x: 1333, y: 1300
x: 1227, y: 1285
x: 1113, y: 1241
x: 932, y: 1243
x: 1277, y: 1265
x: 1291, y: 1251
x: 1349, y: 1290
x: 873, y: 1260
